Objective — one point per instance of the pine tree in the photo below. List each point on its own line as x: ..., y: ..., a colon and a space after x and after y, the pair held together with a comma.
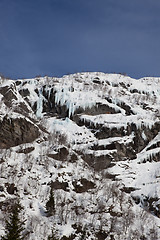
x: 14, y: 226
x: 53, y: 235
x: 84, y: 234
x: 50, y: 205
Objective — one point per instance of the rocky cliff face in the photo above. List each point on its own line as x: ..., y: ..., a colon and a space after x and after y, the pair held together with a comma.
x: 15, y: 131
x: 94, y: 139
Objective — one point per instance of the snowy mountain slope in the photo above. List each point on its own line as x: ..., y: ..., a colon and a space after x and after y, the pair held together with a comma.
x: 94, y: 139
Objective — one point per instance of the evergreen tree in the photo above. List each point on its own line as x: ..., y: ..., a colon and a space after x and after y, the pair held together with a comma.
x: 53, y: 235
x: 84, y: 234
x: 50, y: 205
x: 14, y: 226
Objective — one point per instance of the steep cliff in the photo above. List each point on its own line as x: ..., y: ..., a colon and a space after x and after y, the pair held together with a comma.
x: 92, y: 138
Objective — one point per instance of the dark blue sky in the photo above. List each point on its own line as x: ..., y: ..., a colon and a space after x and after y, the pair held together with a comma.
x: 57, y: 37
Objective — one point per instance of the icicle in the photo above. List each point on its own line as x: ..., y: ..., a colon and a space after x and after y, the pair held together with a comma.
x: 49, y: 92
x: 39, y: 104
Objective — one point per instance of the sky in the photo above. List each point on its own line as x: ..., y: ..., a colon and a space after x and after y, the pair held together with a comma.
x: 58, y: 37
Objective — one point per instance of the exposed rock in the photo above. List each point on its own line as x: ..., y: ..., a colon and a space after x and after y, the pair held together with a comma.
x: 61, y: 155
x: 98, y: 162
x: 15, y: 131
x: 127, y: 108
x: 22, y: 108
x: 83, y: 185
x: 26, y: 150
x: 153, y: 146
x: 9, y: 94
x: 99, y: 108
x: 24, y: 92
x: 59, y: 185
x: 110, y: 146
x: 1, y: 188
x: 128, y: 189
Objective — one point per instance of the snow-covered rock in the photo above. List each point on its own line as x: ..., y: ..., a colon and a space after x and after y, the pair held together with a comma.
x: 93, y: 138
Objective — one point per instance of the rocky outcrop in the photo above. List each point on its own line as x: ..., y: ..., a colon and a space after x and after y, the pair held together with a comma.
x: 61, y: 155
x: 9, y: 94
x: 97, y: 131
x: 15, y: 131
x: 83, y: 185
x: 59, y: 185
x: 98, y: 162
